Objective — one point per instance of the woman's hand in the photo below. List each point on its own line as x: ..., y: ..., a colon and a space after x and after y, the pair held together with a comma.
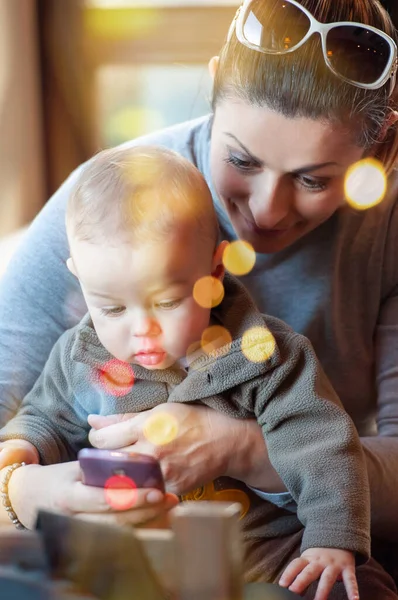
x: 59, y: 488
x: 207, y: 444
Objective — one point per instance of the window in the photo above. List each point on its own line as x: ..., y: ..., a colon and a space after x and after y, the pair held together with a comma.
x: 149, y: 61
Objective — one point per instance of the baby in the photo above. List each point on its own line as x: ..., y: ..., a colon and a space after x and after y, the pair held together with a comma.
x: 165, y: 323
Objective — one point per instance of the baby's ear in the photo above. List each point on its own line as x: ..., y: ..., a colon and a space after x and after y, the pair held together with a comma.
x: 217, y: 269
x: 71, y: 266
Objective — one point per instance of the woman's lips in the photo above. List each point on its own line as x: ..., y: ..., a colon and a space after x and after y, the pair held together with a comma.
x: 275, y: 232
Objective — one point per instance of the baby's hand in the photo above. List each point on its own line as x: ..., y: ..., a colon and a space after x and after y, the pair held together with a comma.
x: 326, y: 564
x: 15, y: 451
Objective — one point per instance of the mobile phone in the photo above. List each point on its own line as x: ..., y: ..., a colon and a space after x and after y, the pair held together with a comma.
x: 99, y: 466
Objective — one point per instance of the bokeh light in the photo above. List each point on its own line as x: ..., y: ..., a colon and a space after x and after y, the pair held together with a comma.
x: 116, y: 377
x: 145, y: 202
x: 258, y: 344
x: 215, y: 338
x: 160, y: 428
x: 208, y: 292
x: 130, y: 122
x: 150, y: 207
x: 121, y: 24
x: 239, y: 257
x: 365, y: 184
x: 120, y: 492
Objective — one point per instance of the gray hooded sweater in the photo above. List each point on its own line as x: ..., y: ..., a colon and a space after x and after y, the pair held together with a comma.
x: 312, y: 442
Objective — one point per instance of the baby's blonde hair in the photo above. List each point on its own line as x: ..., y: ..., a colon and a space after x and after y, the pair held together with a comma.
x: 139, y: 194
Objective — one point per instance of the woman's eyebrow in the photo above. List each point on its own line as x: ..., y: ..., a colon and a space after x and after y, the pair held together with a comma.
x: 254, y: 158
x: 310, y: 168
x: 300, y: 171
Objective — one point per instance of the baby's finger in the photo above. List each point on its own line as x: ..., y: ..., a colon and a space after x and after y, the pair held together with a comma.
x: 326, y: 582
x: 307, y: 576
x: 291, y: 571
x: 350, y: 583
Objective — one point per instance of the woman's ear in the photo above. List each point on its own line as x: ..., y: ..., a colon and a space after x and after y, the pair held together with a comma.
x: 390, y: 121
x: 71, y: 266
x: 213, y: 66
x: 217, y: 268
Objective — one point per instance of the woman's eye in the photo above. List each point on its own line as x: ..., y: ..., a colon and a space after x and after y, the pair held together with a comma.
x: 309, y: 183
x: 168, y: 304
x: 240, y: 163
x: 115, y: 310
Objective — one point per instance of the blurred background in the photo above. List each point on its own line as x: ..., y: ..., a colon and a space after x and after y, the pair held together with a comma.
x: 79, y: 75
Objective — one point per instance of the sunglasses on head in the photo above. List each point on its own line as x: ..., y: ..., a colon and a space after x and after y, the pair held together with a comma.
x: 356, y: 53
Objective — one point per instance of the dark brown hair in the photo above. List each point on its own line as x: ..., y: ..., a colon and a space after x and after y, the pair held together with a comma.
x: 299, y: 84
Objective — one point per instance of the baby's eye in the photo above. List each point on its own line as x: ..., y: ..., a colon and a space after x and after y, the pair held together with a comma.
x: 113, y: 311
x: 168, y: 304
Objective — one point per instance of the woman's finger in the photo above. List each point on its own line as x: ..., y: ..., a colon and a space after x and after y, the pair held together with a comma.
x: 136, y: 517
x: 100, y: 421
x: 142, y: 513
x: 144, y: 447
x: 84, y: 498
x: 123, y: 433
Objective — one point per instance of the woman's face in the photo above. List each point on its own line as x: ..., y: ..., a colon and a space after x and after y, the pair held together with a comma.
x: 278, y: 178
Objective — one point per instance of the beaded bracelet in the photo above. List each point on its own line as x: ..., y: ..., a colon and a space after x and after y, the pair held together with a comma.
x: 4, y: 494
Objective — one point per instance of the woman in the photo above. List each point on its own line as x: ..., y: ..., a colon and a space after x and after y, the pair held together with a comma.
x: 285, y: 128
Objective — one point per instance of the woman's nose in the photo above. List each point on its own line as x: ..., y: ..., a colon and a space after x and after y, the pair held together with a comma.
x: 270, y: 202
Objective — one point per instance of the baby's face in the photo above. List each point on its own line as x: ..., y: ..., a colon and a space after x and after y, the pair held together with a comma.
x: 140, y: 297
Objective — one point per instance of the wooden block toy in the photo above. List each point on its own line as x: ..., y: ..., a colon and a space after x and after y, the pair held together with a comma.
x: 67, y: 558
